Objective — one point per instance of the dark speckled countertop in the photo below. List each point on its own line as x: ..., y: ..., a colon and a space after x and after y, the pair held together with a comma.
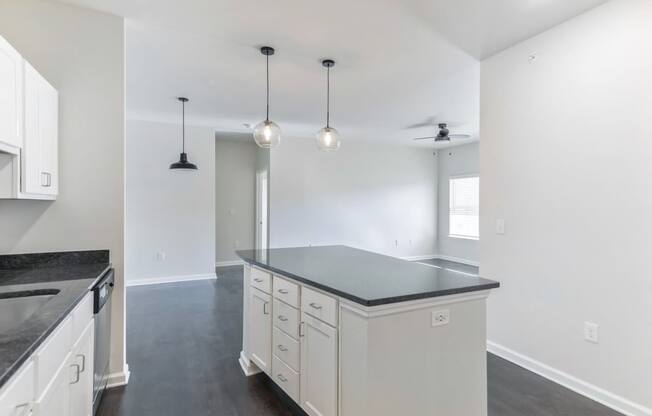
x: 367, y: 278
x: 72, y: 274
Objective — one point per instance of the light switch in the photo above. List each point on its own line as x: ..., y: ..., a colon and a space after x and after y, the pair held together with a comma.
x: 500, y: 226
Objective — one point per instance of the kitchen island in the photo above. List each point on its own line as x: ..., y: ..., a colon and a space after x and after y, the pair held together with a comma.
x: 348, y: 332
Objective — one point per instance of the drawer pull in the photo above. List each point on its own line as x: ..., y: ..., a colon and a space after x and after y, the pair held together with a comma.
x: 314, y: 305
x: 282, y: 318
x: 283, y: 291
x: 265, y: 308
x: 301, y: 325
x: 77, y: 370
x: 83, y: 365
x: 258, y: 280
x: 280, y: 377
x: 282, y: 348
x: 25, y: 407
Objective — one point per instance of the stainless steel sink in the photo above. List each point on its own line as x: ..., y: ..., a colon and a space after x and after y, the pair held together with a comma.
x: 17, y: 307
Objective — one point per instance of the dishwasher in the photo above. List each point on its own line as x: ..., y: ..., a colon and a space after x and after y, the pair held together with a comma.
x: 102, y: 313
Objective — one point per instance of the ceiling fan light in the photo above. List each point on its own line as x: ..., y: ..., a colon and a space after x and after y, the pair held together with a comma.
x: 267, y: 134
x: 328, y: 139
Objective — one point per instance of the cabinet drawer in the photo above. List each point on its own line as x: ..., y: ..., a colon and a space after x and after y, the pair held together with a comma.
x: 286, y: 378
x: 82, y: 316
x: 286, y: 348
x: 320, y: 306
x: 52, y: 354
x: 286, y: 291
x: 261, y: 280
x: 18, y: 396
x: 286, y: 318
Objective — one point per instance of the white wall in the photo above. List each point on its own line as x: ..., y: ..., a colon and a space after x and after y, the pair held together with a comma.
x: 169, y: 211
x: 455, y: 161
x: 565, y: 160
x: 81, y: 53
x: 235, y: 177
x: 363, y: 195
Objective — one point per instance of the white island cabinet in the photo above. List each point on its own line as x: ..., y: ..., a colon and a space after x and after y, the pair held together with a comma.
x: 336, y: 352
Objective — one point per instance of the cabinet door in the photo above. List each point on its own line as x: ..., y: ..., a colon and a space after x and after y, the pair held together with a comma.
x: 40, y: 153
x: 260, y: 329
x: 55, y: 400
x: 17, y: 398
x: 11, y: 95
x: 81, y: 384
x: 319, y: 367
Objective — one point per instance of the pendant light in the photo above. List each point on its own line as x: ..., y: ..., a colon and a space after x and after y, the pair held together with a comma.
x: 267, y: 134
x: 183, y: 157
x: 328, y: 139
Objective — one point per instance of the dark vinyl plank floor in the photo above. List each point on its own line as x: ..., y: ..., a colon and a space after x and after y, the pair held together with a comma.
x: 183, y: 343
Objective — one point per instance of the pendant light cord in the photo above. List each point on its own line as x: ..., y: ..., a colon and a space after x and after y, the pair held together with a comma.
x: 267, y: 113
x: 183, y: 126
x: 328, y: 96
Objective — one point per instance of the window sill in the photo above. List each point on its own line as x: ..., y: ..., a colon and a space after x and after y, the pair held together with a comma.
x: 464, y: 237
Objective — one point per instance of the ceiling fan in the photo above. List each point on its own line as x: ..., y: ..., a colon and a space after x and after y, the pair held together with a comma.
x: 444, y: 135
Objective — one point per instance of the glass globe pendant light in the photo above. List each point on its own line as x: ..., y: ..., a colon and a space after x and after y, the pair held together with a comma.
x: 267, y: 134
x: 183, y: 157
x: 328, y: 139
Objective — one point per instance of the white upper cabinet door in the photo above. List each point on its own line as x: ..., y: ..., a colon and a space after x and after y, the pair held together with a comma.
x: 40, y: 153
x: 11, y: 97
x: 319, y: 366
x: 260, y: 329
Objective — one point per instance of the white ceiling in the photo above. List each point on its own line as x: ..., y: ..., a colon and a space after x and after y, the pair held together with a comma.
x: 399, y: 62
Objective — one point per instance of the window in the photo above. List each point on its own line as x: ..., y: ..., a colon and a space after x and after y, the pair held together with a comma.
x: 464, y: 207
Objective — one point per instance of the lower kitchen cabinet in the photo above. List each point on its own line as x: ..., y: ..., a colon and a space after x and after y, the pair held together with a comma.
x: 260, y: 329
x: 55, y: 400
x: 81, y: 365
x: 319, y: 367
x: 58, y: 379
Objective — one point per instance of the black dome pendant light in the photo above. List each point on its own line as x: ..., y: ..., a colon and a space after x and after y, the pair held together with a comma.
x: 183, y: 157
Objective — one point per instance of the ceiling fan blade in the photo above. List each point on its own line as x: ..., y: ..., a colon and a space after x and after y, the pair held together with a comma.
x: 459, y: 136
x: 425, y: 138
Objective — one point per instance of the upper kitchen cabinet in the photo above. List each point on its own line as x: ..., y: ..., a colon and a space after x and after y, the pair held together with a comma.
x: 39, y: 155
x: 29, y: 131
x: 11, y: 98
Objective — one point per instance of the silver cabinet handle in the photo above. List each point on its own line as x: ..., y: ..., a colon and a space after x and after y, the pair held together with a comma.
x: 77, y: 373
x: 282, y: 348
x: 265, y: 308
x: 25, y: 407
x: 301, y: 328
x: 282, y: 318
x: 315, y: 306
x: 280, y: 377
x: 258, y: 280
x: 46, y: 179
x: 283, y: 291
x: 83, y: 365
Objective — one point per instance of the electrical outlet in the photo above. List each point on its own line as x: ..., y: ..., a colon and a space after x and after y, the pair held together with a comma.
x: 500, y: 226
x: 441, y: 317
x: 591, y: 332
x: 396, y: 242
x: 236, y: 244
x: 160, y: 256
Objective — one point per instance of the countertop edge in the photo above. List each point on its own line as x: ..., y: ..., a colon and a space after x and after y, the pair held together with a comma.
x: 9, y: 373
x: 375, y: 302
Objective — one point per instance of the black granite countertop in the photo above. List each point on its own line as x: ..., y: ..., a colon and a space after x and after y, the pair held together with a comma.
x: 70, y: 275
x: 367, y: 278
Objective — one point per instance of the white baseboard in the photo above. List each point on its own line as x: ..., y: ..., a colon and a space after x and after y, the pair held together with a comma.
x: 169, y: 279
x: 118, y: 379
x: 595, y: 393
x: 229, y: 263
x: 248, y: 368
